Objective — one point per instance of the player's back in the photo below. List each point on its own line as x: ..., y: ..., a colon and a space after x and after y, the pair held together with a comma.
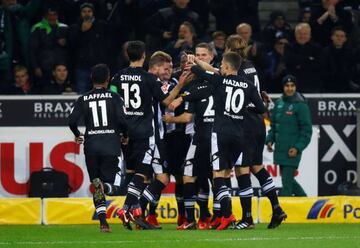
x: 104, y: 121
x: 248, y: 71
x: 232, y: 96
x: 204, y: 110
x: 137, y: 87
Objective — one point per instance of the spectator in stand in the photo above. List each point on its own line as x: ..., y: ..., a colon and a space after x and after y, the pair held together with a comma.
x: 14, y: 37
x: 338, y: 63
x: 186, y: 41
x: 305, y: 15
x: 277, y: 67
x: 23, y: 85
x: 276, y: 26
x: 326, y: 17
x: 86, y: 44
x: 229, y: 13
x: 60, y: 82
x: 163, y: 26
x: 255, y: 50
x: 218, y: 45
x: 47, y: 44
x: 303, y: 59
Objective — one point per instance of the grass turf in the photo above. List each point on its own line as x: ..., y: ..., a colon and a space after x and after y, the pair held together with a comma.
x: 287, y: 235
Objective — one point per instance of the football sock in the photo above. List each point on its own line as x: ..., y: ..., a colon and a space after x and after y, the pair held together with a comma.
x: 135, y: 188
x: 228, y: 184
x: 268, y: 187
x: 100, y: 208
x: 203, y: 198
x: 153, y: 205
x: 151, y: 193
x: 222, y: 196
x: 245, y: 193
x: 189, y: 201
x: 179, y: 188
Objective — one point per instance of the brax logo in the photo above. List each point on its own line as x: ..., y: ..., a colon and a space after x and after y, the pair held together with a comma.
x: 45, y: 110
x: 337, y: 108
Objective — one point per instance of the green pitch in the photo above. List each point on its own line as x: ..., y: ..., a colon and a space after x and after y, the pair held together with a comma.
x: 287, y: 235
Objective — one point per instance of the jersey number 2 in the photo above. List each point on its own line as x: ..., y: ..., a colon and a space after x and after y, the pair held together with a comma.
x: 94, y: 108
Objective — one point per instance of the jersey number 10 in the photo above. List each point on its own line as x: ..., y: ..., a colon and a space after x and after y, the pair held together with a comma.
x: 232, y: 98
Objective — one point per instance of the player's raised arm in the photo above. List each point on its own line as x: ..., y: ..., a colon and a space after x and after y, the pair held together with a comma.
x: 209, y: 76
x: 183, y: 118
x: 183, y: 80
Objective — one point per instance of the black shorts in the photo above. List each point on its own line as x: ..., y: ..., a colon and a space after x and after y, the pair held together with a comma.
x: 176, y: 147
x: 158, y: 164
x: 197, y: 162
x: 105, y: 167
x: 254, y: 134
x: 225, y: 150
x: 138, y: 155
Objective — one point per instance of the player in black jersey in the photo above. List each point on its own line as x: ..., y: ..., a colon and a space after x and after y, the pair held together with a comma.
x: 103, y: 114
x: 197, y: 166
x: 160, y: 65
x: 232, y: 94
x: 138, y: 89
x: 252, y: 159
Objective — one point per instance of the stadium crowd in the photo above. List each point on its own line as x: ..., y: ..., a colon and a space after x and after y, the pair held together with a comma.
x: 49, y: 46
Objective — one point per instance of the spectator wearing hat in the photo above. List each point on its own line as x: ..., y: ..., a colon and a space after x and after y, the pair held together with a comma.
x: 304, y: 59
x: 87, y: 44
x: 47, y: 44
x: 305, y: 15
x: 276, y: 69
x: 290, y: 132
x: 276, y: 26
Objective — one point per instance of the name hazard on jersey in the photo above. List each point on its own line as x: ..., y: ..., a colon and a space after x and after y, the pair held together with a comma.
x: 234, y: 83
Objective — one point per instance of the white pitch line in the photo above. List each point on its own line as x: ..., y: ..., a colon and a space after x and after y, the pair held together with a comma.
x: 70, y: 242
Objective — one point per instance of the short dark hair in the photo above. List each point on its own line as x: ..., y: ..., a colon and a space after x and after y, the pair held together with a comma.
x: 338, y: 28
x: 135, y: 50
x: 205, y: 45
x: 233, y: 59
x: 100, y: 73
x: 159, y: 58
x: 59, y: 64
x: 217, y: 34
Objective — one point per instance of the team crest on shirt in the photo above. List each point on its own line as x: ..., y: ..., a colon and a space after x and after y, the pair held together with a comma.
x: 290, y: 110
x: 165, y: 87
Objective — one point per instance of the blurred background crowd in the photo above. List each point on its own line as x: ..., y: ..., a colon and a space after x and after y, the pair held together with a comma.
x: 49, y: 46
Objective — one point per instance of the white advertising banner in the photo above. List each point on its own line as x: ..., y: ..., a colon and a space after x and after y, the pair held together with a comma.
x: 27, y: 149
x: 307, y: 174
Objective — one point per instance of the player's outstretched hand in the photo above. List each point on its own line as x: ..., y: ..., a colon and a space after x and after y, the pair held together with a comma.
x: 269, y: 147
x: 174, y: 104
x: 186, y: 77
x: 167, y: 118
x: 265, y: 96
x: 80, y: 139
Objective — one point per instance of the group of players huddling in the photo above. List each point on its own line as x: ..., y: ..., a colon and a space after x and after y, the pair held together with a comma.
x: 196, y: 124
